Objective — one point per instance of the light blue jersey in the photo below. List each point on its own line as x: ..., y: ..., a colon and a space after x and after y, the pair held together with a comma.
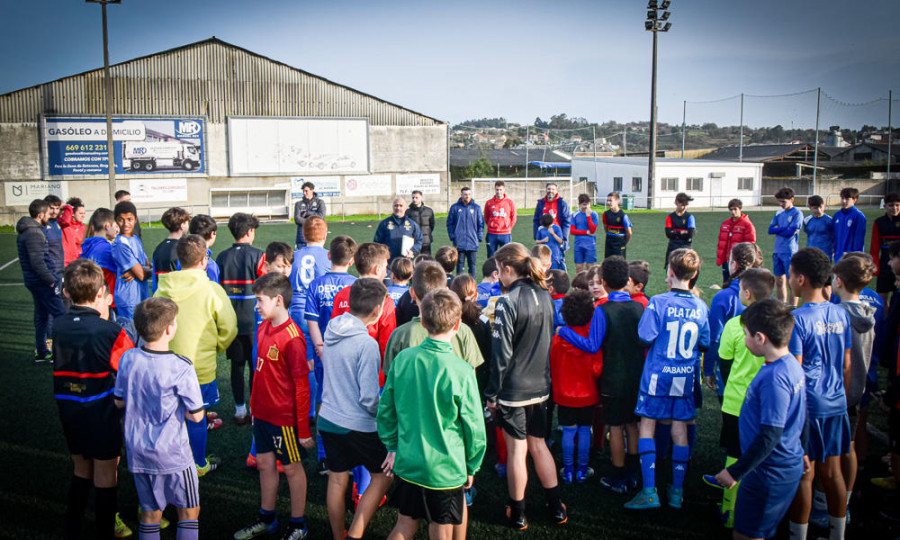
x: 819, y: 233
x: 310, y: 262
x: 821, y: 335
x: 128, y: 251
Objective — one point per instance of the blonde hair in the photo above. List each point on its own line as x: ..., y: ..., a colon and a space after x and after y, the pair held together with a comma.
x: 514, y: 255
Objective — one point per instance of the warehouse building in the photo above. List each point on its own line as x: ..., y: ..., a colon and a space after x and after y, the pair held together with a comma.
x: 216, y: 128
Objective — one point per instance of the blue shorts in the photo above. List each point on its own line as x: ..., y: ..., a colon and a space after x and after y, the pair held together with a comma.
x: 210, y: 394
x: 282, y: 440
x: 762, y: 504
x: 781, y: 263
x: 828, y: 437
x: 156, y: 491
x: 679, y: 408
x: 585, y: 254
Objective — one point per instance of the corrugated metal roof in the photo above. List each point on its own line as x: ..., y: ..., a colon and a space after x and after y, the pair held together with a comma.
x: 209, y: 77
x: 642, y: 161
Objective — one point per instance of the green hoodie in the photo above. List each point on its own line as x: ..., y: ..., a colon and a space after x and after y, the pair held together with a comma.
x: 435, y: 423
x: 206, y: 321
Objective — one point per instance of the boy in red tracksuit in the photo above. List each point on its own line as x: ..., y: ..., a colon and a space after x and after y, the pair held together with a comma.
x: 573, y: 373
x: 71, y: 221
x: 736, y: 229
x: 499, y: 218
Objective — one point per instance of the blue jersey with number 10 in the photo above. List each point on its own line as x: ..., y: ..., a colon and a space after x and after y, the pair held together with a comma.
x: 309, y: 263
x: 676, y: 325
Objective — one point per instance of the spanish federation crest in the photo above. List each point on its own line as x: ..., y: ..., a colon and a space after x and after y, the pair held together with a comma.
x: 273, y: 353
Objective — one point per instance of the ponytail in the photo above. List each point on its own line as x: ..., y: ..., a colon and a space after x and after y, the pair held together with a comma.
x: 517, y: 257
x: 745, y: 255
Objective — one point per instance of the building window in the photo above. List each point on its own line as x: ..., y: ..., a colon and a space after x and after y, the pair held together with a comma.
x: 637, y: 184
x: 617, y: 183
x: 669, y: 184
x: 694, y: 184
x: 745, y: 184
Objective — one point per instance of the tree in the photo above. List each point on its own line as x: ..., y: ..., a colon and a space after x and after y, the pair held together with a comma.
x: 480, y: 169
x: 512, y: 143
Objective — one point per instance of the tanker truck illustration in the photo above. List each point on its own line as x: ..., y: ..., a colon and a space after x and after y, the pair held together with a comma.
x: 149, y: 156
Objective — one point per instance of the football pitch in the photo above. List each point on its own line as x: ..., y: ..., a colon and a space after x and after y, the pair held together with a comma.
x: 36, y: 468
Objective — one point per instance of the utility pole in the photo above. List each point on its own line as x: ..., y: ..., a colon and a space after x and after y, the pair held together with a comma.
x: 741, y: 140
x: 107, y: 98
x: 887, y: 181
x: 683, y: 123
x: 816, y: 150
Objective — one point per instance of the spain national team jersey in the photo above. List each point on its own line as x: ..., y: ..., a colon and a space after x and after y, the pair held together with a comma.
x: 821, y: 335
x: 310, y: 262
x: 776, y: 398
x: 676, y: 326
x: 281, y: 384
x: 320, y: 296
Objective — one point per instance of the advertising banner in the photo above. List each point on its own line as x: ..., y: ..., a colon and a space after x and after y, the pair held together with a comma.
x: 158, y: 190
x: 367, y: 186
x: 22, y: 193
x: 76, y: 146
x: 428, y: 184
x: 326, y: 186
x: 297, y: 146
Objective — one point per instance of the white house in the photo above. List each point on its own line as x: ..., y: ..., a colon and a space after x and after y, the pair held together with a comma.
x: 710, y: 183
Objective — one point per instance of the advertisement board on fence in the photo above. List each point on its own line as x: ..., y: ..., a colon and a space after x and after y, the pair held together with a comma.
x: 158, y: 190
x: 428, y: 184
x: 22, y: 193
x: 76, y: 146
x: 326, y: 186
x: 367, y: 186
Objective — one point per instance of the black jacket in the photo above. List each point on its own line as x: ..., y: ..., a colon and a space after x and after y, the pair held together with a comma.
x: 520, y: 344
x: 424, y: 218
x: 305, y: 208
x: 239, y: 266
x: 34, y: 254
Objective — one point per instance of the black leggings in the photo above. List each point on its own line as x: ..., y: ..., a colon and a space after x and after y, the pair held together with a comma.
x: 240, y: 352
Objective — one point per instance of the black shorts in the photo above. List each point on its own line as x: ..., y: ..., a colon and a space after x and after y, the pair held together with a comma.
x: 885, y: 280
x: 730, y: 437
x: 894, y: 430
x: 441, y: 506
x: 618, y: 411
x: 523, y: 422
x: 354, y: 449
x: 94, y: 437
x: 575, y: 416
x: 282, y: 440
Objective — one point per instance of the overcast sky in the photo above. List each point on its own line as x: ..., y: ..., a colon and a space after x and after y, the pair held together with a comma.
x: 470, y: 59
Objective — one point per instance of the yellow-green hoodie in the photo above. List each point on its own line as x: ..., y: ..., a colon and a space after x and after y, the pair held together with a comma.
x: 206, y: 321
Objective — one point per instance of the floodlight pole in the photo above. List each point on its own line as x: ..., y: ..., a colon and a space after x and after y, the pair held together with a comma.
x: 741, y: 141
x: 683, y: 124
x: 887, y: 181
x: 816, y: 148
x: 651, y: 162
x: 107, y: 99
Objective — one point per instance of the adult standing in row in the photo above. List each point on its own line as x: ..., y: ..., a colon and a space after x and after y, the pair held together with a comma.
x: 54, y: 234
x: 399, y: 233
x: 465, y: 226
x: 424, y: 218
x: 552, y: 203
x: 500, y: 219
x: 41, y: 280
x: 308, y: 206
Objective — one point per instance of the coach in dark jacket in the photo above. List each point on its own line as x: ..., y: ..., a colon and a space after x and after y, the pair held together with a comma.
x: 465, y: 225
x: 308, y: 206
x: 424, y: 218
x: 393, y: 229
x: 41, y: 280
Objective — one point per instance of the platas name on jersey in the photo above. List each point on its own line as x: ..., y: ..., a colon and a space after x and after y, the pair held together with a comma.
x: 823, y: 328
x: 678, y: 370
x: 683, y: 313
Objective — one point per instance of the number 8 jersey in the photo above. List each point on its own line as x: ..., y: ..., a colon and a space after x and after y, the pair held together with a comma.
x: 309, y: 263
x: 676, y: 326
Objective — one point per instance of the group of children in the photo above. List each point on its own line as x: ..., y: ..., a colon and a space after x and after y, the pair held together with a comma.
x: 363, y: 361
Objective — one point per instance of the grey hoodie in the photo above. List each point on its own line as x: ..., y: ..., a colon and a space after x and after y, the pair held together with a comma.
x: 350, y: 388
x: 862, y: 323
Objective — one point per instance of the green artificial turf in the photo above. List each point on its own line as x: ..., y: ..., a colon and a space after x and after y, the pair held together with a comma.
x: 36, y: 468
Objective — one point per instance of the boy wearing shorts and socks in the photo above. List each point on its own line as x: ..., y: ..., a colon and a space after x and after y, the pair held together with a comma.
x: 159, y: 390
x: 772, y: 424
x: 349, y: 404
x: 573, y: 374
x: 86, y: 351
x: 617, y: 225
x: 280, y: 404
x: 584, y: 229
x: 821, y: 341
x: 675, y: 325
x: 431, y: 421
x: 786, y: 227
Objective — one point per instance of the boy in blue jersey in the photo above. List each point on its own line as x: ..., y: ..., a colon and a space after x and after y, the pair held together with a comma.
x: 821, y: 341
x: 849, y: 225
x: 132, y: 267
x: 675, y: 325
x: 159, y: 390
x: 319, y: 304
x: 401, y: 272
x: 818, y: 227
x: 551, y: 236
x: 490, y: 282
x: 772, y: 423
x: 310, y: 262
x: 786, y: 228
x: 584, y: 228
x: 206, y: 227
x: 557, y: 286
